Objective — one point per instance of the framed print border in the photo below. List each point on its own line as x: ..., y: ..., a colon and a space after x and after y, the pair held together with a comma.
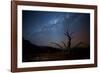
x: 14, y: 40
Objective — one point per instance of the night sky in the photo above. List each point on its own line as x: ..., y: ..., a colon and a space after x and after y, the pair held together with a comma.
x: 42, y: 27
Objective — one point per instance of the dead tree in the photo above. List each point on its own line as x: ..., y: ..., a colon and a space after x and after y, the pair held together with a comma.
x: 69, y: 38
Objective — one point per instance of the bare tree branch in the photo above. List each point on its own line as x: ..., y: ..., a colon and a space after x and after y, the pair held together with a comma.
x: 64, y: 44
x: 56, y: 44
x: 71, y: 33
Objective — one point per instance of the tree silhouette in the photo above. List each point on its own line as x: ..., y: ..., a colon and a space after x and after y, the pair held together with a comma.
x: 69, y: 38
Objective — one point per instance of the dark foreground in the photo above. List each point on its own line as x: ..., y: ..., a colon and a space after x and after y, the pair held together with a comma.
x: 32, y: 53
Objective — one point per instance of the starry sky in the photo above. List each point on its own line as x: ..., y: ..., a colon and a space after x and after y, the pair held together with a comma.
x: 43, y: 27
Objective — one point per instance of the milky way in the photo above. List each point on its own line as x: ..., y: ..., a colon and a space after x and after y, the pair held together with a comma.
x: 42, y: 27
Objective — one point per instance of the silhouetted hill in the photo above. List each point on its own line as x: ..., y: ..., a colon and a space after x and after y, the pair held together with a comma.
x: 32, y: 52
x: 34, y: 48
